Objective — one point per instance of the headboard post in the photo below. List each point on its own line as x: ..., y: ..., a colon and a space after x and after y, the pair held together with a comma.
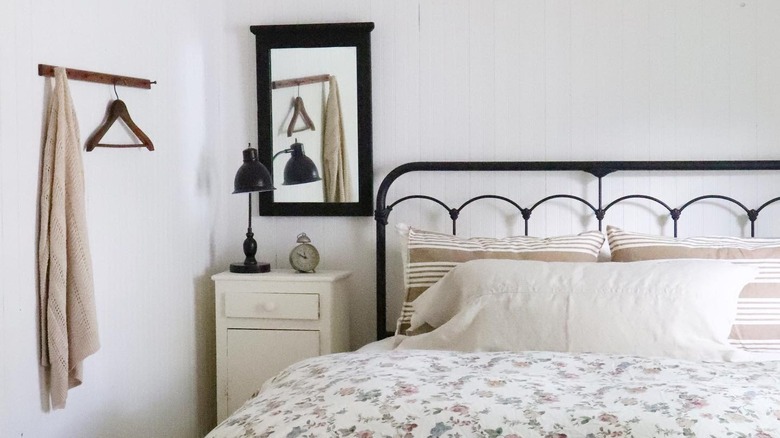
x: 381, y: 278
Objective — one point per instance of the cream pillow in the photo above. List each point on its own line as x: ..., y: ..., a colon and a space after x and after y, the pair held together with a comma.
x: 680, y: 308
x: 427, y: 256
x: 757, y: 326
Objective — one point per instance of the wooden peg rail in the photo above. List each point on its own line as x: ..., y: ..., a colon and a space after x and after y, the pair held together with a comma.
x: 284, y: 83
x: 102, y: 78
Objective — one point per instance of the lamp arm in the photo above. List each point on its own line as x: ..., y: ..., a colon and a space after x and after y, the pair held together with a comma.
x: 286, y: 151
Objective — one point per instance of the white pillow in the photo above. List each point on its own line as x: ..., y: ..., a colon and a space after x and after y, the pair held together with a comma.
x: 428, y: 255
x: 672, y: 308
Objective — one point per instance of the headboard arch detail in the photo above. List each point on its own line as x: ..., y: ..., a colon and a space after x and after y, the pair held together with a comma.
x: 598, y: 169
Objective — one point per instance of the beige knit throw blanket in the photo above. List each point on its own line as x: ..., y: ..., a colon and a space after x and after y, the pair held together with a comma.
x: 68, y: 326
x: 336, y: 179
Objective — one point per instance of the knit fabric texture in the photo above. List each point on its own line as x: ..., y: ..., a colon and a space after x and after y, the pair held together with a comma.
x: 68, y: 324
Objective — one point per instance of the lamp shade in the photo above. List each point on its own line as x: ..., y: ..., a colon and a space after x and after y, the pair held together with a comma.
x: 299, y: 169
x: 252, y: 176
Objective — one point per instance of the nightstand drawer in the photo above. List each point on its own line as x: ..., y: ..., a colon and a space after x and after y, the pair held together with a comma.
x: 272, y: 306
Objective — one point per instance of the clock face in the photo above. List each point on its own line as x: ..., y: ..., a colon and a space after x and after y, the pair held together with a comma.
x: 304, y: 258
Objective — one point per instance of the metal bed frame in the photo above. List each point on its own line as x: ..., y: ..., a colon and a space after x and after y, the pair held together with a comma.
x: 598, y: 169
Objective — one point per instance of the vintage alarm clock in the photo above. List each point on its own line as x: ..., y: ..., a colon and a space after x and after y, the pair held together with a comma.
x: 304, y: 257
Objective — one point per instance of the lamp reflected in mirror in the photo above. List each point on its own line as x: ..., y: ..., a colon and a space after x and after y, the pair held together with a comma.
x: 299, y: 169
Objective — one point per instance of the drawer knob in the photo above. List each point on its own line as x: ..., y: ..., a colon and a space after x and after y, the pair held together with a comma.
x: 269, y: 306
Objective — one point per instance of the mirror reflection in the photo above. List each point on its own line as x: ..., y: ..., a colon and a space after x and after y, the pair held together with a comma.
x: 314, y: 110
x: 314, y: 118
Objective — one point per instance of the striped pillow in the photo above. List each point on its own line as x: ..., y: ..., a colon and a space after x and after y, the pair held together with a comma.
x: 428, y: 256
x: 757, y: 327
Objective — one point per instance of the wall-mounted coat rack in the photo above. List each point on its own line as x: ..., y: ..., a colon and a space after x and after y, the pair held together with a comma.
x: 101, y: 78
x: 117, y: 109
x: 284, y: 83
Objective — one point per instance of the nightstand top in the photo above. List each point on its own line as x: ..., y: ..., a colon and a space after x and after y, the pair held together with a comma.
x: 284, y: 275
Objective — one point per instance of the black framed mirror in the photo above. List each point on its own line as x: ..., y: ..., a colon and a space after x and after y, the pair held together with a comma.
x: 314, y: 118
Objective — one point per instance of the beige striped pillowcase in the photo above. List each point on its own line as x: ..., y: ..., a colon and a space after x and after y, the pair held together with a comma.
x: 428, y: 256
x: 757, y: 327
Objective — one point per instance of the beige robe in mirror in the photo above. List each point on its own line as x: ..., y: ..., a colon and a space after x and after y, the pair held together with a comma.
x: 337, y: 184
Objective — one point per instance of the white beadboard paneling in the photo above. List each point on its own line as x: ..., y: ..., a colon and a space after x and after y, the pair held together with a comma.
x: 687, y: 79
x: 557, y: 80
x: 662, y: 77
x: 768, y: 65
x: 397, y: 109
x: 715, y: 89
x: 637, y: 215
x: 529, y: 127
x: 508, y: 78
x: 609, y: 109
x: 10, y: 317
x: 445, y: 99
x: 481, y: 78
x: 479, y: 220
x: 584, y: 76
x: 742, y: 66
x: 635, y: 92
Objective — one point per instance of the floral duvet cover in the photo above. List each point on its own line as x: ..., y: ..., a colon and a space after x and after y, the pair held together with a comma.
x: 415, y: 393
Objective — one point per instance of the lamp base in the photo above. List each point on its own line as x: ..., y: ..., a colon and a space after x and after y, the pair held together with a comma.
x: 243, y: 268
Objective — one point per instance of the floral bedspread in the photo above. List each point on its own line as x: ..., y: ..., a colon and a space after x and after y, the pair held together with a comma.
x: 535, y: 394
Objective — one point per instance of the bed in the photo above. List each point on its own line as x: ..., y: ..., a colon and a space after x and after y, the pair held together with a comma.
x: 532, y: 337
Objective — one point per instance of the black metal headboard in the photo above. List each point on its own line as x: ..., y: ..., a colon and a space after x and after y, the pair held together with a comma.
x: 599, y: 169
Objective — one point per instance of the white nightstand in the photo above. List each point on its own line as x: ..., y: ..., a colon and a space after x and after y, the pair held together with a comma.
x: 266, y: 322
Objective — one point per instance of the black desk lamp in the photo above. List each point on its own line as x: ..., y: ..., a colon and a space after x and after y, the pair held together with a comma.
x: 252, y: 176
x: 299, y: 169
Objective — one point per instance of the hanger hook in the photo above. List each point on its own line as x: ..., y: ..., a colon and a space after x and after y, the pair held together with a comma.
x: 115, y: 93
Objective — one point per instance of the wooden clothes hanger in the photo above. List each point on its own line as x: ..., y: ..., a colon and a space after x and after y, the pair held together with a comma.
x: 299, y: 110
x: 118, y: 110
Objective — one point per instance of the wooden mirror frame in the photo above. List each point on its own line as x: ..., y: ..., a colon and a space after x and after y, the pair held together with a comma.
x: 356, y: 35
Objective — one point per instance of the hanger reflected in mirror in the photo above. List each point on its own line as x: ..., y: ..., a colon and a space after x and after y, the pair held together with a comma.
x: 118, y: 110
x: 299, y: 110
